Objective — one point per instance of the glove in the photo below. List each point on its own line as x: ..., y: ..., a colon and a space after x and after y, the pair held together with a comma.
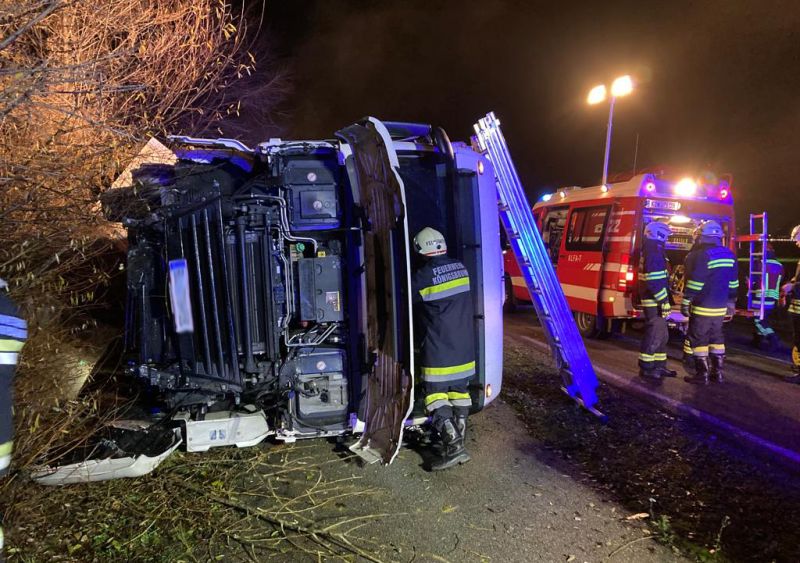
x: 787, y: 288
x: 685, y: 308
x: 731, y: 309
x: 666, y: 308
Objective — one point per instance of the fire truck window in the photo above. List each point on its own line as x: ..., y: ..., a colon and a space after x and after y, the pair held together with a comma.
x: 586, y: 228
x: 553, y: 230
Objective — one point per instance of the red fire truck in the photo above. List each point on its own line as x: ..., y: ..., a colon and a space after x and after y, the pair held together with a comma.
x: 594, y: 237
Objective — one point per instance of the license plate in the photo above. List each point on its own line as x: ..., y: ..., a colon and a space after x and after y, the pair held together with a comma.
x: 662, y: 204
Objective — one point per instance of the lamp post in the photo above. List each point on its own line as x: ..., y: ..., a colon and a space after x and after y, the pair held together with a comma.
x: 621, y: 86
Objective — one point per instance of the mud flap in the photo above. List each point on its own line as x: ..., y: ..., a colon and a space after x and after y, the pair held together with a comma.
x: 377, y: 187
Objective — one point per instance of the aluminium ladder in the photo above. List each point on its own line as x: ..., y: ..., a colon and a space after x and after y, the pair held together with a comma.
x: 758, y: 263
x: 566, y: 344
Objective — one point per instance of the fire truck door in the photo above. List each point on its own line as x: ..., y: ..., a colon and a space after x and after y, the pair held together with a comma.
x: 377, y: 188
x: 580, y: 263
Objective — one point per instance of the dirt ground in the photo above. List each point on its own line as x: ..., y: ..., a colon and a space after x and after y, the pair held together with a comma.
x: 547, y: 482
x: 314, y: 501
x: 706, y: 494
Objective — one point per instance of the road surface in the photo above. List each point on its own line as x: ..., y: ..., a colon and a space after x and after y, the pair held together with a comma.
x: 754, y: 404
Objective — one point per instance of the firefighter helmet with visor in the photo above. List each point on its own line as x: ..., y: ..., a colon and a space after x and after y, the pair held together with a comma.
x: 796, y: 235
x: 430, y: 242
x: 708, y: 229
x: 655, y: 230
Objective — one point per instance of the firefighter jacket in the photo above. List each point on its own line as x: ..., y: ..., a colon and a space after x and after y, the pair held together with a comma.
x: 770, y: 289
x: 712, y: 280
x: 653, y: 276
x: 444, y: 317
x: 13, y: 332
x: 794, y: 297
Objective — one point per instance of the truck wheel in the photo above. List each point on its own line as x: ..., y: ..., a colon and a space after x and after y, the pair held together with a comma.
x: 511, y: 302
x: 587, y: 325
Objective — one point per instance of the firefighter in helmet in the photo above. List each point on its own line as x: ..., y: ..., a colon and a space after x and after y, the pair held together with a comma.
x: 709, y: 295
x: 791, y: 293
x: 13, y: 332
x: 655, y: 302
x: 443, y: 311
x: 764, y: 336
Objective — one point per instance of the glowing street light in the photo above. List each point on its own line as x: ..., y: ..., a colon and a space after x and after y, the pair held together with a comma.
x: 596, y: 95
x: 622, y: 86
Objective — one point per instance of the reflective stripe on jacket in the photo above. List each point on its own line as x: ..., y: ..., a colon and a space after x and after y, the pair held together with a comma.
x: 794, y: 297
x: 13, y: 332
x: 444, y: 319
x: 653, y: 276
x: 772, y: 283
x: 712, y: 280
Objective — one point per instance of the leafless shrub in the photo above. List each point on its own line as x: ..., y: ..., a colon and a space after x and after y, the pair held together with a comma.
x: 82, y: 85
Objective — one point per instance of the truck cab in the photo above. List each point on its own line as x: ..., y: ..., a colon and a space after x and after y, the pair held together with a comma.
x: 274, y: 282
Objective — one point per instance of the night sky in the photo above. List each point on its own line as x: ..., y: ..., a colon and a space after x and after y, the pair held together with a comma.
x: 718, y: 82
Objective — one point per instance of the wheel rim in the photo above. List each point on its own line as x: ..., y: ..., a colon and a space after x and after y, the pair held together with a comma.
x: 585, y: 321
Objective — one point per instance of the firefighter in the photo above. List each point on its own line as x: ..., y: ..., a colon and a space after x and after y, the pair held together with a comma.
x: 444, y: 313
x: 13, y: 332
x: 709, y: 295
x: 792, y: 295
x: 655, y: 303
x: 764, y: 336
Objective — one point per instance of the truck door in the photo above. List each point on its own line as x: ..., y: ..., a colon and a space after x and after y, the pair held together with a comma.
x: 552, y: 225
x: 384, y: 285
x: 580, y: 262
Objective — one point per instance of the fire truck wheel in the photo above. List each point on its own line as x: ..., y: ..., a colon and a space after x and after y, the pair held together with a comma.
x: 511, y: 302
x: 588, y: 325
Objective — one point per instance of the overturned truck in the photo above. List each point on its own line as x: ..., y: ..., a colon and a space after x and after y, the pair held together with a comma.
x: 268, y: 289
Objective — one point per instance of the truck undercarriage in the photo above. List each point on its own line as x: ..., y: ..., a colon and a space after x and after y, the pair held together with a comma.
x: 268, y: 289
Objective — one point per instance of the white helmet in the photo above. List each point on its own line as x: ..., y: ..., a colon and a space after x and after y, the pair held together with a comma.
x: 3, y: 284
x: 430, y: 242
x: 656, y: 230
x: 796, y: 234
x: 709, y: 229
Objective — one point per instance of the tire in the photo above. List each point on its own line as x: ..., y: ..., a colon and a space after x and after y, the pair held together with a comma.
x: 511, y: 302
x: 587, y: 325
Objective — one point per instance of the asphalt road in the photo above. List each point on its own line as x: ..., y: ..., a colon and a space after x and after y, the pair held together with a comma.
x: 754, y: 406
x: 507, y: 504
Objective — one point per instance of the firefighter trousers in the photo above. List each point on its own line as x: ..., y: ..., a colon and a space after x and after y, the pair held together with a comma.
x: 6, y: 419
x: 795, y: 341
x: 763, y: 330
x: 705, y: 336
x: 443, y: 399
x: 653, y: 350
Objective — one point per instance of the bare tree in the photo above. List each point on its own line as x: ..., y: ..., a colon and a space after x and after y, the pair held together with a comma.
x: 82, y: 84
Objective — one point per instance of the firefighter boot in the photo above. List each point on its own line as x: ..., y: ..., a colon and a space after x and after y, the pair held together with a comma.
x: 663, y: 371
x: 453, y: 452
x: 700, y: 376
x: 652, y: 374
x: 461, y: 426
x: 688, y: 363
x: 717, y: 362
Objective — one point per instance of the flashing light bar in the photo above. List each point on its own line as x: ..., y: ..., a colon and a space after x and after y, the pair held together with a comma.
x: 686, y: 187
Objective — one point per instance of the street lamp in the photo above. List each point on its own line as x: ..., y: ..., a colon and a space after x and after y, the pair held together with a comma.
x: 621, y: 86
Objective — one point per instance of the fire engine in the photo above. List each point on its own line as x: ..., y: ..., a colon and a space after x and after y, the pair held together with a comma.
x: 594, y: 238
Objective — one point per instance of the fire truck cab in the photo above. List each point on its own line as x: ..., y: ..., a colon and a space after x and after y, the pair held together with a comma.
x: 594, y: 238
